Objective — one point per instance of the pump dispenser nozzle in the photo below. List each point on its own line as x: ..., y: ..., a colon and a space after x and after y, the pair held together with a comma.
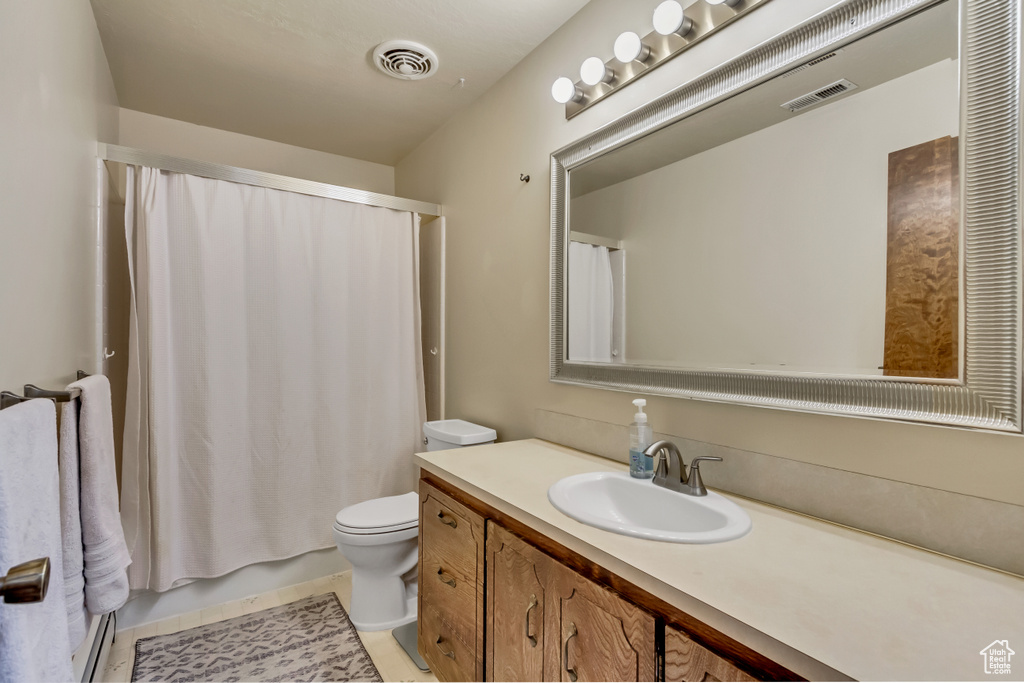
x: 640, y: 416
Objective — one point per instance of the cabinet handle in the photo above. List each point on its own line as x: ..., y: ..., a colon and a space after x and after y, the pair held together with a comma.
x: 531, y: 638
x: 565, y: 657
x: 451, y: 521
x: 450, y: 580
x: 450, y: 654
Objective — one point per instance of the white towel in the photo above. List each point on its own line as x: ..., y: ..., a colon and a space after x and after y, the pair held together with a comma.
x: 33, y: 636
x: 71, y: 525
x: 105, y: 553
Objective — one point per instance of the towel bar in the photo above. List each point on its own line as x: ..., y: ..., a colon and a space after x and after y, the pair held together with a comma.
x: 32, y: 391
x: 8, y: 398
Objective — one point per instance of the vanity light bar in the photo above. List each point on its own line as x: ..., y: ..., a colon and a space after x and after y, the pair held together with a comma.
x: 698, y: 21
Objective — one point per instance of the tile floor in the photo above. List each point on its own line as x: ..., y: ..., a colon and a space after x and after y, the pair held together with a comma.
x: 388, y: 656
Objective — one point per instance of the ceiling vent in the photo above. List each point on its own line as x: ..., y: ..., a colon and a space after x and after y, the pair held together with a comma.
x: 405, y: 59
x: 816, y: 60
x: 828, y: 92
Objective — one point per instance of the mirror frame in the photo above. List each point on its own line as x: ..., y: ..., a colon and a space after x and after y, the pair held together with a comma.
x: 987, y: 393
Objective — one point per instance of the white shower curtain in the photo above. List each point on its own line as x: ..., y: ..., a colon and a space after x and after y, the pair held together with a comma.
x: 591, y: 303
x: 275, y: 373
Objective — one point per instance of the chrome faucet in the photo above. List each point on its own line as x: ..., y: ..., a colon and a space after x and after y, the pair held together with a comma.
x: 670, y: 470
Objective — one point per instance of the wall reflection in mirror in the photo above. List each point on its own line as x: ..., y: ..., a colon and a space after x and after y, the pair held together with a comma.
x: 808, y: 224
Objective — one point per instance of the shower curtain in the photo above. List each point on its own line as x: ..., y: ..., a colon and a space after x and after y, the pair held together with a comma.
x: 275, y: 372
x: 591, y: 303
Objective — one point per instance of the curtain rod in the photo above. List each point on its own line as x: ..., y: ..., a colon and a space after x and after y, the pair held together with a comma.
x: 129, y: 155
x: 595, y: 240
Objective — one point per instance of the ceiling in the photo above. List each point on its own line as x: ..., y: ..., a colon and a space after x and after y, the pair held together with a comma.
x: 300, y: 71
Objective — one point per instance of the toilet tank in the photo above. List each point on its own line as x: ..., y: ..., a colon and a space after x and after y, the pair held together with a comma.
x: 441, y: 435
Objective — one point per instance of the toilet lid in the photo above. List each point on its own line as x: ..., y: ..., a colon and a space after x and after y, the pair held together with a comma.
x: 390, y: 513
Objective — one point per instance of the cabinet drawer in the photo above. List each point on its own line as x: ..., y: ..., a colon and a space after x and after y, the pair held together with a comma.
x: 450, y: 659
x: 447, y: 524
x: 447, y: 533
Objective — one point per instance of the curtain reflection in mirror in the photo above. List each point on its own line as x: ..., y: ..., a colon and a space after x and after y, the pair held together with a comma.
x: 591, y: 303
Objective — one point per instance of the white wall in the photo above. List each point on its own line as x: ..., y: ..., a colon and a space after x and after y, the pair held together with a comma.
x: 770, y: 250
x: 498, y: 246
x: 180, y: 139
x: 56, y: 100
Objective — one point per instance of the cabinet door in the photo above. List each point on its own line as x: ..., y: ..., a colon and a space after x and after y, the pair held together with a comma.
x: 515, y: 608
x: 450, y: 586
x: 603, y: 637
x: 685, y: 660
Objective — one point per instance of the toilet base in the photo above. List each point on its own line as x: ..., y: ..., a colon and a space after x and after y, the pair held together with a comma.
x: 407, y: 637
x: 408, y: 617
x: 384, y: 578
x: 381, y: 603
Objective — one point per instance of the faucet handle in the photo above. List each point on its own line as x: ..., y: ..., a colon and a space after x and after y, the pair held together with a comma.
x: 694, y: 481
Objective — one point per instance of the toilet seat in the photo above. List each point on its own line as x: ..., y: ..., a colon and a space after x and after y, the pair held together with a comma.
x: 376, y: 531
x: 380, y: 515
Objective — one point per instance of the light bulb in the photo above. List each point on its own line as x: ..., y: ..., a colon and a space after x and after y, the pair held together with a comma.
x: 669, y: 18
x: 593, y: 71
x: 629, y: 48
x: 564, y: 91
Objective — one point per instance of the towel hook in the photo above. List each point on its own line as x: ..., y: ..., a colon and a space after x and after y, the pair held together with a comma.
x: 524, y: 178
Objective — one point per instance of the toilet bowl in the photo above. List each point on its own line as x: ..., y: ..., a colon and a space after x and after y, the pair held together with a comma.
x: 380, y: 538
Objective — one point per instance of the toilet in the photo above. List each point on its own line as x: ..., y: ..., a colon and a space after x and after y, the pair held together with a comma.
x: 379, y: 538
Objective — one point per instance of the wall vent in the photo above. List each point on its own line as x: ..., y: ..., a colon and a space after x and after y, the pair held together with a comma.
x: 816, y: 60
x: 405, y: 59
x: 820, y: 95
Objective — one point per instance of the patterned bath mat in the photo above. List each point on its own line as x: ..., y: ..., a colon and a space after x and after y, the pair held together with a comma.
x: 308, y: 640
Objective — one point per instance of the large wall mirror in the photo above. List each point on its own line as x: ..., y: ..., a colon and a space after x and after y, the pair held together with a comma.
x: 829, y: 223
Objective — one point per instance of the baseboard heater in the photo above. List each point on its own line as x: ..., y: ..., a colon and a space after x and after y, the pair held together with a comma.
x: 90, y: 659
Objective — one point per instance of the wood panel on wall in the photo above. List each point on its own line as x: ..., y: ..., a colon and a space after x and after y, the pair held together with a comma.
x: 923, y: 262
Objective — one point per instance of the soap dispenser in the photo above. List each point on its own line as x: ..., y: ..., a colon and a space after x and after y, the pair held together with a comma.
x: 641, y: 436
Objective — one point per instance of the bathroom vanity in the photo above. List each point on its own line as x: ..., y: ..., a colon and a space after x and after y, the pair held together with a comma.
x: 495, y: 606
x: 512, y: 589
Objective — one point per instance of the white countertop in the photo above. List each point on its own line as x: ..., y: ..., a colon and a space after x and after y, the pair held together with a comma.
x: 823, y: 600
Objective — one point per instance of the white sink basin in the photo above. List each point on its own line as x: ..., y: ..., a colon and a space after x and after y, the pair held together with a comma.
x: 614, y: 501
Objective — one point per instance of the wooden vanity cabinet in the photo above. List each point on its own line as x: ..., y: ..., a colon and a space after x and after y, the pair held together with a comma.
x: 547, y: 623
x: 501, y: 602
x: 517, y: 609
x: 451, y: 587
x: 603, y: 637
x: 685, y: 660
